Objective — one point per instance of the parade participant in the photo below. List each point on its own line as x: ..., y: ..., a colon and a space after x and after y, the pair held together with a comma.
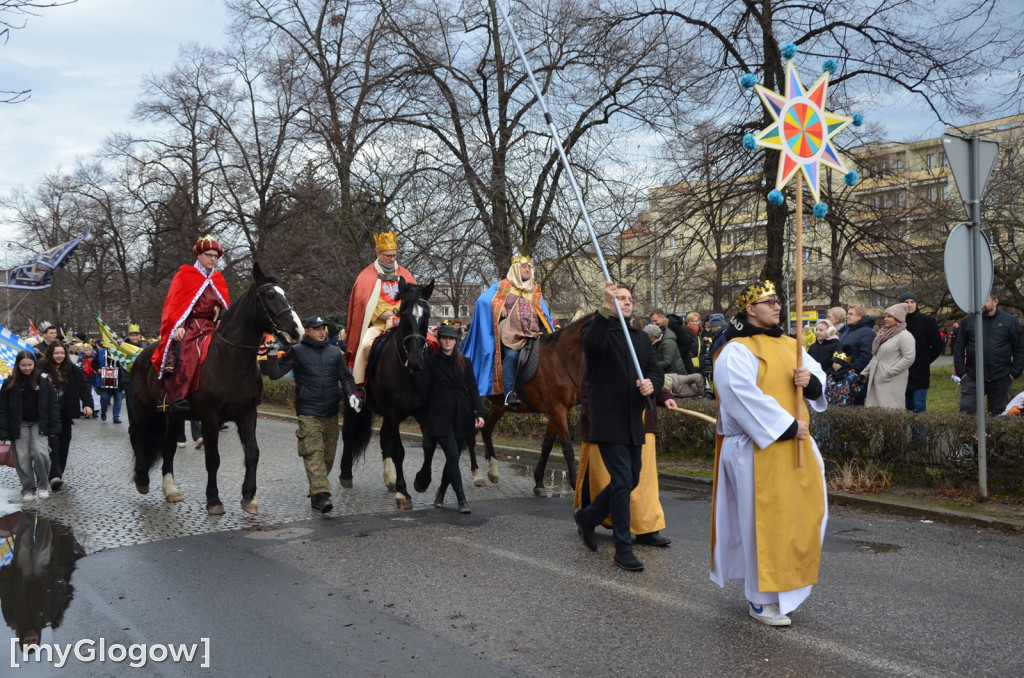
x: 74, y: 398
x: 318, y: 369
x: 646, y: 515
x: 508, y: 314
x: 49, y: 335
x: 29, y: 415
x: 197, y: 298
x: 135, y: 339
x: 374, y: 304
x: 617, y: 401
x: 768, y: 514
x: 454, y: 411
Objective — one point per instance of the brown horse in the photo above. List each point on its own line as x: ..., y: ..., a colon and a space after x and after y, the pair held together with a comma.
x: 553, y: 391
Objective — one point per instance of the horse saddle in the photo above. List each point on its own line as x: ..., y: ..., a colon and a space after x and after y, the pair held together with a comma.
x: 527, y: 367
x: 376, y: 348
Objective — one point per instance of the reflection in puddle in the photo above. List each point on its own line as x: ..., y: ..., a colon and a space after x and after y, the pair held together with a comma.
x: 37, y: 557
x: 877, y: 548
x: 556, y: 481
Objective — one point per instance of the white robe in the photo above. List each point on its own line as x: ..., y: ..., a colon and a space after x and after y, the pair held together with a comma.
x: 747, y: 417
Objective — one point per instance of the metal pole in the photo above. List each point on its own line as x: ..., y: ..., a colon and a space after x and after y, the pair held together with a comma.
x: 569, y: 175
x: 980, y: 296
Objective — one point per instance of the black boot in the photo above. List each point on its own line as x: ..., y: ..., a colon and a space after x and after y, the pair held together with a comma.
x: 463, y: 504
x: 439, y: 497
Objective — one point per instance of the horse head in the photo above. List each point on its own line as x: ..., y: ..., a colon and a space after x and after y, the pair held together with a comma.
x: 281, y: 318
x: 414, y: 321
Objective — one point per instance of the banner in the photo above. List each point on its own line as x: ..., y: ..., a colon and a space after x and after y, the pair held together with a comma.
x: 122, y: 351
x: 36, y: 274
x: 10, y: 344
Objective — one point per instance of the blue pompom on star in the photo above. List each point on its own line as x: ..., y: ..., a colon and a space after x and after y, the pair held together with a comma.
x: 748, y: 80
x: 749, y: 142
x: 852, y: 178
x: 820, y: 210
x: 776, y: 198
x: 858, y: 119
x: 788, y: 51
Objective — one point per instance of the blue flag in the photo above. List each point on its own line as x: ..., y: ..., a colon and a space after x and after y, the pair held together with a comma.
x: 36, y: 274
x: 10, y: 344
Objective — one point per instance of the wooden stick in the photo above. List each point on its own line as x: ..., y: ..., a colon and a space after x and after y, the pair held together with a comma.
x: 799, y: 306
x: 699, y: 415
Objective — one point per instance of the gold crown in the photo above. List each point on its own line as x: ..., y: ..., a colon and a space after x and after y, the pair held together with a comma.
x: 386, y: 241
x: 521, y: 259
x: 753, y: 292
x: 134, y: 328
x: 839, y: 355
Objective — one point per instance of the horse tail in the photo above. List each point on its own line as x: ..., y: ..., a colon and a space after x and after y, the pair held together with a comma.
x: 356, y: 430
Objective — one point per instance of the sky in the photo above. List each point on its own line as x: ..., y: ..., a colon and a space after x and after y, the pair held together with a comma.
x: 85, y: 63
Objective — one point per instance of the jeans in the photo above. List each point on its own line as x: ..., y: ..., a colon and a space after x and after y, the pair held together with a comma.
x: 196, y: 426
x: 623, y: 464
x: 105, y: 394
x: 917, y: 400
x: 509, y: 366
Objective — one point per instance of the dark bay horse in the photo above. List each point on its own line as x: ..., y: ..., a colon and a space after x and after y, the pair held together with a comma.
x: 553, y: 391
x: 396, y: 389
x: 230, y: 387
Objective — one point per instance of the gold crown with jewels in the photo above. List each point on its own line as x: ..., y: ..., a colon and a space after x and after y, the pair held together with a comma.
x: 521, y: 259
x: 386, y: 241
x: 839, y: 355
x: 753, y: 292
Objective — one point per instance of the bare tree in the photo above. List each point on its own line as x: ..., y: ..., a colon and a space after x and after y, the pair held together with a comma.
x: 13, y: 17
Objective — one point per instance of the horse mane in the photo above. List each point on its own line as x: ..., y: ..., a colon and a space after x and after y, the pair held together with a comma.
x: 268, y: 277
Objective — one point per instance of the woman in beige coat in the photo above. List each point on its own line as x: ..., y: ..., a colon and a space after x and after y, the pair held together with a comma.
x: 892, y: 354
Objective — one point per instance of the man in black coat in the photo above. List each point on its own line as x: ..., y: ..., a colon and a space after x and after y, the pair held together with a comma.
x: 318, y: 368
x: 617, y: 399
x: 928, y: 347
x: 1004, y: 357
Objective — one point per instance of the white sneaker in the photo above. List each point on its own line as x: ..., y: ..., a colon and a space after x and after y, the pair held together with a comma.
x: 43, y: 494
x: 199, y: 443
x: 181, y: 446
x: 28, y: 496
x: 769, y: 614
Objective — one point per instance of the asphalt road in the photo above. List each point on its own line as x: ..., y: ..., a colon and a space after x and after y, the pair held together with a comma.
x: 510, y: 590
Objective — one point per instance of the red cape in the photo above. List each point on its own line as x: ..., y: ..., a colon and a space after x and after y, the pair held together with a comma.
x: 181, y: 297
x: 361, y: 292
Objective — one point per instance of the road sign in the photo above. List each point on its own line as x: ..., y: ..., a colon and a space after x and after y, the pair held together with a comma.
x: 960, y: 272
x: 970, y: 174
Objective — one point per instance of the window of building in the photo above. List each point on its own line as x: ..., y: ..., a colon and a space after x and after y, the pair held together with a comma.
x: 933, y: 194
x: 898, y: 165
x: 945, y: 192
x: 880, y: 300
x: 929, y: 161
x: 673, y: 242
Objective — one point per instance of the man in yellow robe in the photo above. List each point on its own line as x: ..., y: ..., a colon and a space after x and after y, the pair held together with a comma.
x: 768, y: 514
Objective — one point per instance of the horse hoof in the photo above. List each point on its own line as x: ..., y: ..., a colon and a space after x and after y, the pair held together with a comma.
x: 492, y: 470
x: 173, y: 497
x: 403, y: 502
x: 346, y: 482
x: 421, y: 484
x: 540, y: 491
x: 479, y: 482
x: 142, y: 489
x: 252, y: 507
x: 492, y: 476
x: 215, y: 510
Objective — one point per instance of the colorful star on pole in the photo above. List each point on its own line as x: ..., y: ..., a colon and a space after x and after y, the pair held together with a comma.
x: 802, y: 131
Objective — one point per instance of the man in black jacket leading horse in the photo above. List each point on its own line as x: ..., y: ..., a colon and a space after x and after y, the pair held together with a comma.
x: 318, y: 368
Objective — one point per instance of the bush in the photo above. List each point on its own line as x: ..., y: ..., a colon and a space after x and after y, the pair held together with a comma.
x: 279, y: 392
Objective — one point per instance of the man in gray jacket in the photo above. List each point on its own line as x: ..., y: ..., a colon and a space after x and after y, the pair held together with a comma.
x: 318, y: 368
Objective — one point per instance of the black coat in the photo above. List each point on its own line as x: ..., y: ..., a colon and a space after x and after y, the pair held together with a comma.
x: 616, y: 406
x: 320, y: 376
x: 686, y: 341
x: 859, y: 338
x: 822, y: 352
x: 927, y: 346
x: 454, y: 400
x: 1004, y: 347
x: 77, y: 395
x: 10, y: 409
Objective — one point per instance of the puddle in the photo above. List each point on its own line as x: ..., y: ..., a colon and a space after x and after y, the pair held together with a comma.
x: 877, y: 548
x: 556, y: 481
x: 37, y: 557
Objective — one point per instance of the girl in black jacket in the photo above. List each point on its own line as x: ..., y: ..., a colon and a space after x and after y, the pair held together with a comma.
x: 28, y: 415
x: 74, y: 398
x: 453, y: 412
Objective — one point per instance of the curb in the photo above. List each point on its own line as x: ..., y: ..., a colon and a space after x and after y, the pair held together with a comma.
x: 675, y: 481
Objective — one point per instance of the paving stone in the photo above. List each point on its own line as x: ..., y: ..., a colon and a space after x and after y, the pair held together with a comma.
x: 101, y: 506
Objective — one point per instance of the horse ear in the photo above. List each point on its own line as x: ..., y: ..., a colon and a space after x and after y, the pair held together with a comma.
x: 402, y: 287
x: 429, y: 289
x: 257, y: 272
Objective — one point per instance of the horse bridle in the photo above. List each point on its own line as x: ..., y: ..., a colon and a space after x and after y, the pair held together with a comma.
x: 271, y: 316
x: 404, y: 348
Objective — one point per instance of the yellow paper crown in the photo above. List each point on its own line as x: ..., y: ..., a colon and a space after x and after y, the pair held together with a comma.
x: 839, y: 355
x: 386, y: 241
x: 753, y: 292
x: 521, y: 259
x: 134, y: 328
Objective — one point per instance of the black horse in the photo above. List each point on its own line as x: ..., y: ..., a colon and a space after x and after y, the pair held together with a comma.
x: 396, y: 389
x: 230, y: 387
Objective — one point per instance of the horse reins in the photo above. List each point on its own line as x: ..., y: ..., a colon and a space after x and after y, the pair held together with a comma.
x: 271, y: 318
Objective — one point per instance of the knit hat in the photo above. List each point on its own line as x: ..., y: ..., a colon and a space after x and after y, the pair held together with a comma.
x: 653, y: 330
x: 716, y: 320
x: 898, y: 311
x: 908, y: 295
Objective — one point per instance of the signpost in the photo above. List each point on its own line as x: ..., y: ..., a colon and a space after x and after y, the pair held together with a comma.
x: 971, y: 161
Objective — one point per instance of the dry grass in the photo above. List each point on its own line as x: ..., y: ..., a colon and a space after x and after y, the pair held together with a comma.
x: 858, y: 475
